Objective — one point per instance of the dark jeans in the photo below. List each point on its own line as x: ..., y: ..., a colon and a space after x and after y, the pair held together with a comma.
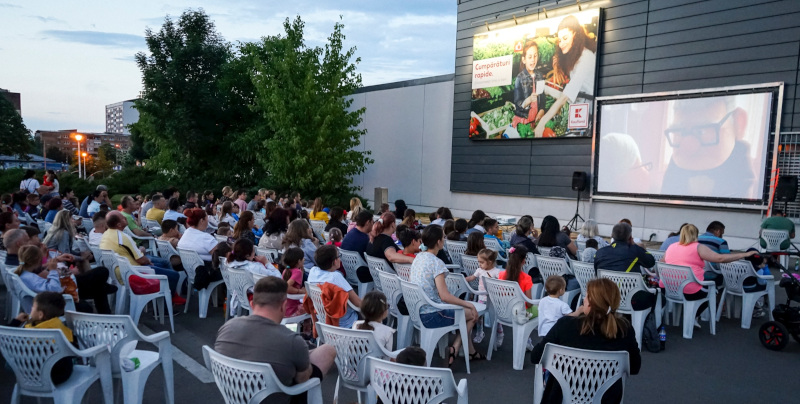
x: 94, y: 285
x: 172, y: 277
x: 697, y: 296
x: 364, y: 275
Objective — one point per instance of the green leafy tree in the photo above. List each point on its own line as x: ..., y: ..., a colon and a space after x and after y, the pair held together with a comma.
x: 56, y: 154
x: 184, y: 118
x: 15, y: 138
x: 306, y: 133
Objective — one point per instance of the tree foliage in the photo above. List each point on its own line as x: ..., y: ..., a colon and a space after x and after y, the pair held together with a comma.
x: 15, y: 138
x: 56, y: 154
x: 274, y: 113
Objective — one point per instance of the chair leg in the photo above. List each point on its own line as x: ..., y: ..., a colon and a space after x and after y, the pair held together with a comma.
x: 491, y: 341
x: 202, y: 302
x: 168, y: 301
x: 520, y: 340
x: 689, y: 311
x: 748, y: 304
x: 771, y: 298
x: 727, y: 306
x: 637, y: 318
x: 189, y: 289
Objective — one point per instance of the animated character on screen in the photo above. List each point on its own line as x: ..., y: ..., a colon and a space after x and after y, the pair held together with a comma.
x: 709, y: 156
x: 526, y: 99
x: 573, y: 64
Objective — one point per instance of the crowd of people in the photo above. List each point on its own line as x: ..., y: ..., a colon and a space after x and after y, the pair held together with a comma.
x: 233, y: 226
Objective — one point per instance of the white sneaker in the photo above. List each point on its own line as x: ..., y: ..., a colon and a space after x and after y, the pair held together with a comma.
x: 499, y: 342
x: 529, y: 347
x: 479, y: 335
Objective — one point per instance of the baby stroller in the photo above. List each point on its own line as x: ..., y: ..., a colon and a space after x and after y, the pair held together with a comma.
x: 774, y: 335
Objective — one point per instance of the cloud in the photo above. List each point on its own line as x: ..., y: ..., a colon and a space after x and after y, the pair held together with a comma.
x: 48, y: 19
x: 8, y: 5
x: 98, y: 38
x: 131, y: 58
x: 416, y: 20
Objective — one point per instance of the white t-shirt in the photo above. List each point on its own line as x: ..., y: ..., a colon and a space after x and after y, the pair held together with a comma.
x: 256, y: 268
x: 30, y: 185
x: 317, y: 275
x: 581, y: 78
x: 93, y: 208
x: 383, y: 333
x: 94, y: 237
x: 199, y: 241
x: 55, y: 187
x: 480, y: 274
x: 550, y: 310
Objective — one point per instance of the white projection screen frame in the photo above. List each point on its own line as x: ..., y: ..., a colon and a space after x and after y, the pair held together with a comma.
x: 726, y: 160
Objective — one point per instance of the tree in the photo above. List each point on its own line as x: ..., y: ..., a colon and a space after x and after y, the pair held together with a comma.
x: 184, y: 120
x: 15, y: 138
x: 306, y: 134
x: 56, y: 154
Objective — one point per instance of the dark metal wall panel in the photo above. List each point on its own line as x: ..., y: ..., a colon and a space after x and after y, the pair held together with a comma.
x: 646, y: 46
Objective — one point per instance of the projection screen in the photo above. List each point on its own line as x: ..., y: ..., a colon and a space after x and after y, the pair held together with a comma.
x: 693, y: 147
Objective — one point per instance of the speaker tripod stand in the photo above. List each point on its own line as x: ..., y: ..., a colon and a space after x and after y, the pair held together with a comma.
x: 573, y: 223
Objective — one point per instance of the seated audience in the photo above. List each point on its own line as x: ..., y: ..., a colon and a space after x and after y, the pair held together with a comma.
x: 441, y: 215
x: 475, y: 223
x: 589, y: 253
x: 552, y: 237
x: 336, y: 220
x: 357, y: 240
x: 196, y: 239
x: 244, y: 227
x: 474, y: 244
x: 99, y: 227
x: 400, y: 208
x: 778, y: 221
x: 284, y: 350
x: 300, y: 235
x: 410, y: 240
x: 327, y: 259
x: 622, y: 255
x: 174, y: 206
x: 8, y: 222
x: 39, y: 278
x: 382, y: 245
x: 374, y: 309
x: 226, y: 215
x: 355, y: 208
x: 335, y: 237
x: 317, y: 213
x: 589, y: 231
x: 158, y: 211
x: 13, y: 240
x: 671, y: 238
x: 54, y: 205
x: 275, y: 229
x: 66, y: 201
x: 712, y: 239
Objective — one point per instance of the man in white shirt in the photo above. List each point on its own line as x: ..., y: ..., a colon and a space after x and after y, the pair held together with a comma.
x: 98, y: 197
x: 99, y: 221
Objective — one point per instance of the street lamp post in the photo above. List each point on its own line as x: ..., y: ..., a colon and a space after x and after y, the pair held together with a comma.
x: 84, y: 164
x: 78, y: 138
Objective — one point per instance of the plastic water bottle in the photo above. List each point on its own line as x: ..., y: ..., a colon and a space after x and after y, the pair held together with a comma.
x: 662, y: 337
x: 130, y: 364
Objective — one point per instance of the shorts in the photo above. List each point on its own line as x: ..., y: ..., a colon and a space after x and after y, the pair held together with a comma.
x: 315, y: 372
x: 438, y: 319
x: 303, y: 397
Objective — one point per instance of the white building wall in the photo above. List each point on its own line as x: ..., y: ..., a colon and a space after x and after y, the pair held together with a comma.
x: 409, y: 133
x: 130, y: 115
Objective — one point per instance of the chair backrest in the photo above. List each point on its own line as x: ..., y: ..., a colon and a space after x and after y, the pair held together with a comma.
x: 241, y: 382
x: 658, y: 255
x: 109, y: 259
x: 504, y: 296
x: 102, y: 329
x: 315, y: 293
x: 87, y: 224
x: 492, y: 244
x: 549, y: 266
x: 190, y: 261
x: 351, y: 261
x: 379, y: 264
x: 396, y: 383
x: 31, y: 353
x: 584, y: 272
x: 98, y: 255
x: 530, y: 262
x: 469, y: 264
x: 415, y: 298
x: 20, y: 292
x: 403, y: 271
x: 584, y: 375
x: 581, y: 246
x: 165, y: 249
x: 675, y: 278
x: 261, y: 251
x: 223, y: 269
x: 221, y: 238
x: 456, y: 284
x: 543, y: 251
x: 391, y: 288
x: 774, y: 238
x: 734, y: 274
x: 352, y: 349
x: 241, y: 281
x: 319, y: 228
x: 455, y: 249
x: 628, y: 283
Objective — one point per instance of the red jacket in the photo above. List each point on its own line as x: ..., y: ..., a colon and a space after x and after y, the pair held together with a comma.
x: 334, y: 299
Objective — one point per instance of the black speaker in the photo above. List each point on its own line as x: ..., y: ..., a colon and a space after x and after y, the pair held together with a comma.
x: 786, y: 190
x: 580, y: 179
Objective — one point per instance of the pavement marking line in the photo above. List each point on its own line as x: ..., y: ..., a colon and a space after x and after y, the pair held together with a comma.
x: 199, y: 371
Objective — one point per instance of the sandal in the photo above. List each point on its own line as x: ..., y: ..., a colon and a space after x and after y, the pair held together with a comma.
x: 451, y: 356
x: 477, y: 356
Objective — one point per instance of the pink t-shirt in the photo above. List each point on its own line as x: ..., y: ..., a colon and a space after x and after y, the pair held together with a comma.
x: 241, y: 204
x: 686, y: 255
x: 291, y: 304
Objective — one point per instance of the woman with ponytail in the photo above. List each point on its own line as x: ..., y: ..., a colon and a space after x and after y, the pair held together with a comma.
x: 600, y: 328
x: 382, y: 245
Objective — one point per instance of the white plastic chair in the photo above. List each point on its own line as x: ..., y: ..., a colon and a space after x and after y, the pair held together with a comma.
x: 221, y: 239
x: 351, y: 261
x: 32, y: 353
x: 581, y: 246
x: 240, y: 281
x: 469, y: 264
x: 492, y: 244
x: 191, y: 261
x: 267, y: 253
x: 415, y: 299
x: 773, y: 240
x: 223, y: 269
x: 244, y: 382
x: 376, y: 265
x: 403, y: 270
x: 139, y: 302
x: 151, y: 242
x: 457, y: 285
x: 455, y: 249
x: 584, y: 375
x: 86, y: 223
x: 121, y: 336
x: 629, y: 284
x: 584, y: 272
x: 543, y: 251
x: 396, y: 383
x: 151, y: 226
x: 318, y: 226
x: 675, y: 278
x: 167, y: 251
x: 530, y: 262
x: 109, y: 259
x: 393, y: 292
x: 507, y: 298
x: 353, y: 347
x: 22, y: 296
x: 550, y: 266
x: 294, y: 319
x: 734, y: 274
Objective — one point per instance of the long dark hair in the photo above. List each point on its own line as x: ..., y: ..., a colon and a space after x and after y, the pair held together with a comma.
x: 372, y: 308
x: 474, y: 243
x: 516, y: 259
x: 277, y: 222
x: 550, y: 229
x: 243, y: 225
x: 604, y: 299
x: 242, y: 249
x: 477, y: 218
x: 563, y: 64
x: 292, y: 258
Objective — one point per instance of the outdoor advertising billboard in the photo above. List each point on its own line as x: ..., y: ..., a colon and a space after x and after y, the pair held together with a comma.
x: 535, y: 80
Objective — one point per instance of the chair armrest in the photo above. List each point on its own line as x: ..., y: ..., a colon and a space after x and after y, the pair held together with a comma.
x: 354, y: 307
x: 153, y: 339
x: 156, y: 277
x: 444, y: 306
x: 452, y: 266
x: 296, y: 297
x: 391, y: 354
x: 91, y: 352
x: 766, y: 277
x: 534, y: 302
x: 707, y: 283
x: 142, y: 269
x: 461, y: 388
x: 299, y: 388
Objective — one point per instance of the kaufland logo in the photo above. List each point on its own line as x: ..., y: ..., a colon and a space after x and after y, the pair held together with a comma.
x: 578, y: 116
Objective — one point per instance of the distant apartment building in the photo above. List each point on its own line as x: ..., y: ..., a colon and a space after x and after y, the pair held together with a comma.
x: 65, y: 141
x: 119, y: 116
x: 14, y: 98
